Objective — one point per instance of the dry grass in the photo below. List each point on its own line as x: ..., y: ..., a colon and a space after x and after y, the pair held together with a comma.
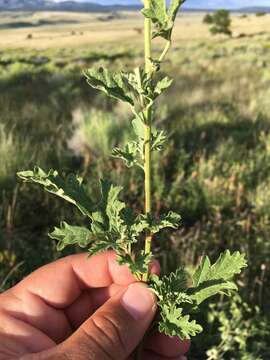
x: 74, y: 30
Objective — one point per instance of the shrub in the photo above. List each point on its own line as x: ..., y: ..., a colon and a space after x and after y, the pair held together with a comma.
x: 220, y: 22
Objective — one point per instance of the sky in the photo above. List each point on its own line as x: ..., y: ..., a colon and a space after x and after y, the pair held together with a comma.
x: 199, y: 3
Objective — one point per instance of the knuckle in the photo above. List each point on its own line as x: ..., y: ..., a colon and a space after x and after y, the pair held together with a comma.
x: 110, y: 334
x: 98, y: 350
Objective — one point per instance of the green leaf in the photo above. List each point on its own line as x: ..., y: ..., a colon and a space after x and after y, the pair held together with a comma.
x: 162, y: 18
x: 129, y: 154
x: 70, y: 189
x: 70, y: 235
x: 171, y: 220
x: 114, y: 226
x: 211, y: 288
x: 104, y: 244
x: 209, y: 280
x: 158, y: 140
x: 138, y: 127
x: 224, y: 268
x: 174, y: 323
x: 138, y: 264
x: 139, y: 225
x: 171, y: 290
x: 114, y: 84
x: 172, y: 298
x: 162, y: 85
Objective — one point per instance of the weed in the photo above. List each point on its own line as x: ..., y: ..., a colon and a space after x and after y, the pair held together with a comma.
x: 115, y: 226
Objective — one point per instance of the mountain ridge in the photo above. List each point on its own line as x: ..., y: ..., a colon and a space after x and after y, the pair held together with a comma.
x: 85, y: 6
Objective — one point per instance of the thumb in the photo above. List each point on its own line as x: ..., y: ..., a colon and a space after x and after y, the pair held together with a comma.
x: 116, y: 328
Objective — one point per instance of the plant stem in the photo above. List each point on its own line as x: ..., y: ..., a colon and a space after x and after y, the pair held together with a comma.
x: 165, y: 51
x: 148, y: 123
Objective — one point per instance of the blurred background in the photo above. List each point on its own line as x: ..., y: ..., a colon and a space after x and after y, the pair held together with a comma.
x: 214, y: 170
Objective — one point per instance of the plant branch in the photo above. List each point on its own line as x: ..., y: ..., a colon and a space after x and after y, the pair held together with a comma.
x: 147, y: 129
x: 165, y: 51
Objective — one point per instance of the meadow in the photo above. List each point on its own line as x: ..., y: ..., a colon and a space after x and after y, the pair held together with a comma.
x: 215, y: 170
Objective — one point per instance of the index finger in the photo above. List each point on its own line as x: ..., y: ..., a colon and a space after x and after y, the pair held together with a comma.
x: 60, y: 283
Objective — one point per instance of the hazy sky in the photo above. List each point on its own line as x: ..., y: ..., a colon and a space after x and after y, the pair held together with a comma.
x: 200, y: 3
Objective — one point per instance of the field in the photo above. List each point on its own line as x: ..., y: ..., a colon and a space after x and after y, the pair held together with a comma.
x: 215, y: 170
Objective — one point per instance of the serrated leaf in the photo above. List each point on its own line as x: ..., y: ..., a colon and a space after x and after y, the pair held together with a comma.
x: 209, y: 280
x: 70, y: 235
x: 211, y: 288
x: 138, y: 264
x: 129, y: 154
x: 70, y: 189
x: 171, y: 289
x: 114, y: 225
x: 171, y: 220
x: 103, y: 245
x: 139, y: 225
x: 224, y: 268
x: 110, y: 206
x: 113, y: 84
x: 174, y: 323
x: 158, y: 140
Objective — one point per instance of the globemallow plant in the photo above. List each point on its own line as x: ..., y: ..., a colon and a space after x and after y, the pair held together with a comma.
x: 112, y: 225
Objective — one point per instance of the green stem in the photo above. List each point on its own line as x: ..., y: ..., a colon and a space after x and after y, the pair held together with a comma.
x: 148, y: 124
x: 165, y: 51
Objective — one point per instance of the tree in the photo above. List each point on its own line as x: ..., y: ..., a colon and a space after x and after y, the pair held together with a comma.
x: 208, y: 19
x: 220, y: 22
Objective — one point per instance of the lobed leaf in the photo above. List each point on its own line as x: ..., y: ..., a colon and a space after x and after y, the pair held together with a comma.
x: 209, y: 280
x: 171, y: 220
x: 70, y: 189
x: 138, y: 264
x: 129, y: 154
x: 162, y: 85
x: 113, y: 84
x: 70, y: 235
x: 174, y: 323
x: 158, y: 140
x: 224, y: 268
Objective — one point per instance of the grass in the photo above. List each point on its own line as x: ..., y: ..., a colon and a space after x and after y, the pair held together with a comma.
x: 215, y: 171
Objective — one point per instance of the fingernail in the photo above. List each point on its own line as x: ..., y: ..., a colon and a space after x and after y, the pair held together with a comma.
x: 139, y: 301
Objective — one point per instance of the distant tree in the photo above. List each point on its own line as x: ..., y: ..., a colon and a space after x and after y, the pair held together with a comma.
x: 260, y: 13
x: 220, y: 22
x: 208, y: 19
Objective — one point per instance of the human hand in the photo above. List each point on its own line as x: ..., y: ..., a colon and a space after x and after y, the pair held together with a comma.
x: 81, y: 309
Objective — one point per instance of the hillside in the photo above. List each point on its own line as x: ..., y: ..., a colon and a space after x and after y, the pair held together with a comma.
x: 49, y: 5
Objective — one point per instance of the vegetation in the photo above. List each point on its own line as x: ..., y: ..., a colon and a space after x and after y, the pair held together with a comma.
x: 220, y: 22
x: 213, y: 169
x: 114, y: 226
x: 261, y: 13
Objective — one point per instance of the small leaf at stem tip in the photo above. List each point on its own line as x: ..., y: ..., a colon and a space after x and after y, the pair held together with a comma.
x: 163, y: 18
